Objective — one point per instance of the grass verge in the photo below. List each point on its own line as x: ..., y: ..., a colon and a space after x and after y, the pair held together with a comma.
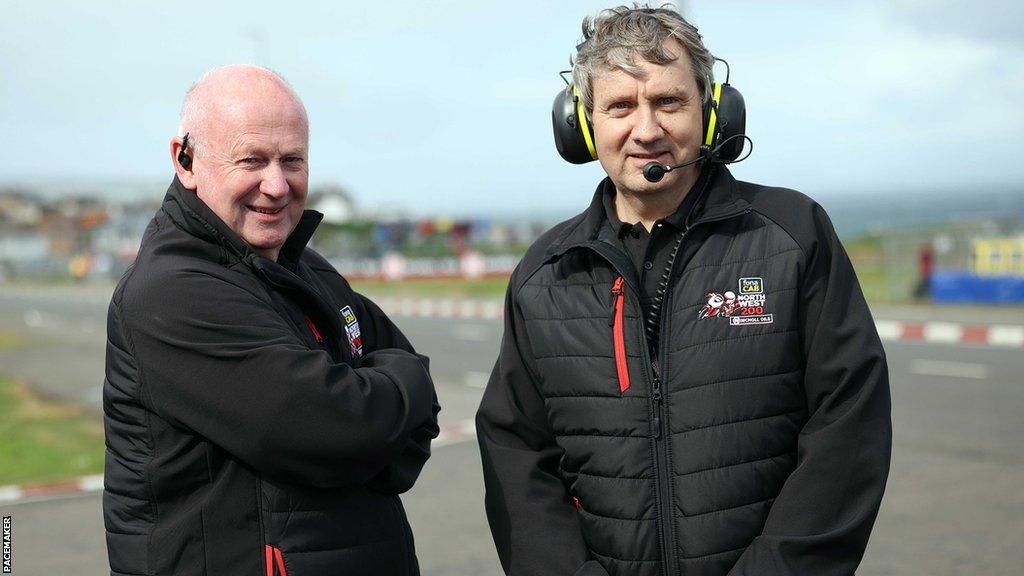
x: 439, y: 288
x: 10, y: 339
x: 45, y: 441
x: 877, y: 285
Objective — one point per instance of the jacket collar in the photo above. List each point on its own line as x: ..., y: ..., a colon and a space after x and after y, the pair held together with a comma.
x: 193, y: 216
x: 719, y: 199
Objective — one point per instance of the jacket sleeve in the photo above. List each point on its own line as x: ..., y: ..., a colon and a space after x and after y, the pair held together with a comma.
x: 400, y: 475
x: 215, y: 358
x: 534, y: 524
x: 820, y: 522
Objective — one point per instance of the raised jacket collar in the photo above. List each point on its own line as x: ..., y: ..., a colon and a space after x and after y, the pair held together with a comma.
x: 196, y: 218
x: 719, y: 199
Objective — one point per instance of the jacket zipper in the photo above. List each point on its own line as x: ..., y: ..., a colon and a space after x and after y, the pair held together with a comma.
x: 618, y: 338
x: 663, y: 454
x: 662, y: 457
x: 662, y: 464
x: 660, y: 451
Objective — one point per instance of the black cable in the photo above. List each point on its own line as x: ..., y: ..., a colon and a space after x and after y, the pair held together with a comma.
x: 724, y: 142
x: 654, y: 311
x: 653, y: 323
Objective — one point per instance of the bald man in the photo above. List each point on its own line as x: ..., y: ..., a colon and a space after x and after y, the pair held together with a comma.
x: 261, y: 417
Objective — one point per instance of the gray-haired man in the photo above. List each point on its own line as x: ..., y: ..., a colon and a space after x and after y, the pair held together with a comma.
x: 690, y: 381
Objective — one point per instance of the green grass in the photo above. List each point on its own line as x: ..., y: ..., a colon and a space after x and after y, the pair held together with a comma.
x: 446, y: 288
x: 877, y: 283
x: 882, y: 278
x: 45, y: 441
x: 10, y: 339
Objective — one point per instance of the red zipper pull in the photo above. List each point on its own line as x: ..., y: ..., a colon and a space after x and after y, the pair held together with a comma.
x: 280, y: 561
x: 617, y: 291
x: 312, y: 328
x: 618, y: 334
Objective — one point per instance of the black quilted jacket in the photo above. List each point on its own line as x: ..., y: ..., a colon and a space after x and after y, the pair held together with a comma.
x: 261, y: 417
x: 756, y: 441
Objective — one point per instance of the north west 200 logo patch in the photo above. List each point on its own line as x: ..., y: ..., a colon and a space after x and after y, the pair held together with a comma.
x: 742, y: 309
x: 355, y: 338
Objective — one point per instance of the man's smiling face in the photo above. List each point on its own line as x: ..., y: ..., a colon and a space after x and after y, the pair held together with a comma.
x: 251, y: 167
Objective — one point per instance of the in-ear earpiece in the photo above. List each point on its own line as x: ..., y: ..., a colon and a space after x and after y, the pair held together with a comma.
x: 183, y: 157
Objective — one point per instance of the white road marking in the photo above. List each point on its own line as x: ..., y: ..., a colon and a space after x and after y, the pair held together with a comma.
x: 406, y: 307
x: 9, y: 493
x: 493, y: 310
x: 889, y: 329
x: 949, y: 369
x: 475, y: 379
x: 91, y: 483
x: 25, y: 499
x: 1006, y: 335
x: 445, y: 308
x: 467, y: 309
x: 945, y: 332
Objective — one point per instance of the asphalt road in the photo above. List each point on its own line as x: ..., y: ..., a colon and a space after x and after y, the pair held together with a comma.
x: 954, y: 504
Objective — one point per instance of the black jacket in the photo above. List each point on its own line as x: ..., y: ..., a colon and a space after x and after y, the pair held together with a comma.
x: 260, y: 416
x: 756, y: 442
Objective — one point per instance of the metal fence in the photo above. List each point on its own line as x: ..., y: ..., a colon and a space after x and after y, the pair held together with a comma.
x: 889, y: 261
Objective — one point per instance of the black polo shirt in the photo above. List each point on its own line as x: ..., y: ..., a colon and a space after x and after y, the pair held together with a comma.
x: 650, y: 251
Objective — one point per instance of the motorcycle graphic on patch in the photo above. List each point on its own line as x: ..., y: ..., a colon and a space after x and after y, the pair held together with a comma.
x: 742, y: 309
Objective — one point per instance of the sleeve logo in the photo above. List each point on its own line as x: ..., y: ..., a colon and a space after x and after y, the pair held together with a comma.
x: 355, y: 337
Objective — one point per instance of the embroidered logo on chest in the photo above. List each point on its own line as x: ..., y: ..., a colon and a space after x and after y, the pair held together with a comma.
x: 355, y: 338
x: 747, y: 307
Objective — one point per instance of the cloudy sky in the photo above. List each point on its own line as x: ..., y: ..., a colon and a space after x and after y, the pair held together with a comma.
x: 443, y: 107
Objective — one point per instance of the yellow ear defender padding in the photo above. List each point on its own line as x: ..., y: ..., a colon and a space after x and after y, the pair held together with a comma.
x: 709, y: 139
x: 581, y: 116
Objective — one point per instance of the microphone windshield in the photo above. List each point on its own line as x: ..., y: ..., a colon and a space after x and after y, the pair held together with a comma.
x: 654, y: 172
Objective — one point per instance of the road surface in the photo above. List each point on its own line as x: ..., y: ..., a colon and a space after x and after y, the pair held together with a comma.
x: 954, y: 504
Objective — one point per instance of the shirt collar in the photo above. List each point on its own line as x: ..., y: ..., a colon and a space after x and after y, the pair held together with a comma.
x: 676, y: 220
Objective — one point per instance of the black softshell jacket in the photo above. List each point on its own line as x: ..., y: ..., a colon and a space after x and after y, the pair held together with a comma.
x: 756, y: 441
x: 261, y: 417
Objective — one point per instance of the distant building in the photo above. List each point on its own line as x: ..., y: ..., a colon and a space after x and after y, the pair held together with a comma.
x: 334, y: 202
x: 19, y: 210
x: 70, y: 224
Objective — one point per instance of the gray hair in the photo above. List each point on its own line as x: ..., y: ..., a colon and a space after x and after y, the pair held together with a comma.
x: 618, y: 36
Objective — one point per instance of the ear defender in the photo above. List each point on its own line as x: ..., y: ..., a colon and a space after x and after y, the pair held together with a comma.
x: 574, y: 136
x: 183, y: 157
x: 725, y: 119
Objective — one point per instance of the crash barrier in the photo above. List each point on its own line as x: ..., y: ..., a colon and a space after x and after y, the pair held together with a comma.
x: 966, y: 288
x: 396, y: 267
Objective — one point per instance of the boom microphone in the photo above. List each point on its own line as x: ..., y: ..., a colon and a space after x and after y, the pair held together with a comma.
x: 654, y: 171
